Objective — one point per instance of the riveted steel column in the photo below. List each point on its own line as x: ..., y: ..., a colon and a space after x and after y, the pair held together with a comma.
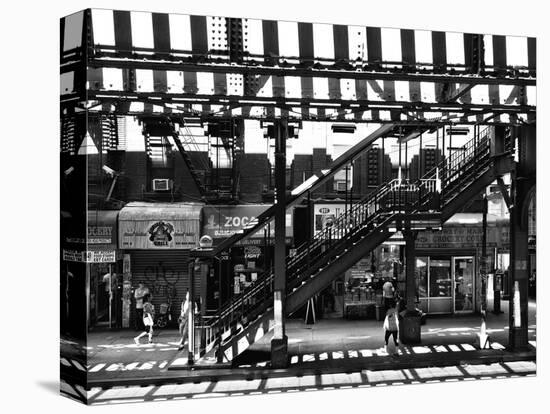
x: 522, y: 181
x: 409, y: 331
x: 279, y: 343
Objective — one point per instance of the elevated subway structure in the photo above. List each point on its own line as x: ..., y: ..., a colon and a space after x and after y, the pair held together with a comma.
x: 172, y: 70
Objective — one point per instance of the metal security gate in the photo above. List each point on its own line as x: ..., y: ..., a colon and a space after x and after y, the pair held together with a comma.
x: 165, y: 273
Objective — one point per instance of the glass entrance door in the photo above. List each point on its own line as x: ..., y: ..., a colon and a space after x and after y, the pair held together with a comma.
x: 463, y: 277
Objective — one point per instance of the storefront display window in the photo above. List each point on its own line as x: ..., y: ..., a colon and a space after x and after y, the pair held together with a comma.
x: 388, y: 261
x: 440, y: 278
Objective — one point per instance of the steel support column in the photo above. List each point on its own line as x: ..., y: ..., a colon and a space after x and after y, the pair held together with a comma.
x: 193, y: 267
x: 279, y: 343
x: 518, y: 272
x: 483, y: 337
x: 522, y: 181
x: 410, y: 326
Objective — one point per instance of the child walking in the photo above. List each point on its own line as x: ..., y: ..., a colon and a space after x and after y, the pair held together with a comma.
x: 148, y: 320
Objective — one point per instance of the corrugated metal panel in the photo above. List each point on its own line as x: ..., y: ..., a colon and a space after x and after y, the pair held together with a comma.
x: 165, y: 273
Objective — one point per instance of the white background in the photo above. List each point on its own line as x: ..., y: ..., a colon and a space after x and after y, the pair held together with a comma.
x: 30, y: 203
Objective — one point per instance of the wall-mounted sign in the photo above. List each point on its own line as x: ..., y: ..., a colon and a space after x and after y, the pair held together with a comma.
x: 90, y: 256
x: 100, y: 234
x: 252, y: 252
x: 101, y: 228
x: 220, y: 222
x: 161, y: 233
x: 462, y: 236
x: 326, y: 215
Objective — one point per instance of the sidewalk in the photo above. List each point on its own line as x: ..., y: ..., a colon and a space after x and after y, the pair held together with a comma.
x: 328, y: 346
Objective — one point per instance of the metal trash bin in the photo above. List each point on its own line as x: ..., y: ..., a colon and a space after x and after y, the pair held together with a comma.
x: 379, y: 312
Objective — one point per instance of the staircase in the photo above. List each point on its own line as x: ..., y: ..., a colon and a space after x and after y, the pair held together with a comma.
x: 422, y: 204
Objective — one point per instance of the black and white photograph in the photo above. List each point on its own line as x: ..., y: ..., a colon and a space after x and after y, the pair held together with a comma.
x: 255, y: 206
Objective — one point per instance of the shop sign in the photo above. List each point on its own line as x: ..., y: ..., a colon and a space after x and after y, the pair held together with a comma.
x: 221, y: 222
x: 457, y: 237
x: 108, y: 256
x: 326, y: 214
x: 89, y: 256
x: 72, y: 256
x: 252, y: 252
x: 100, y: 235
x: 159, y: 234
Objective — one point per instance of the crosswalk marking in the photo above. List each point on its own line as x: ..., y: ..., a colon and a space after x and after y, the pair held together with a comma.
x: 97, y: 368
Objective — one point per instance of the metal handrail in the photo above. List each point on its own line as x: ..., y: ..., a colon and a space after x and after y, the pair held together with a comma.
x: 389, y: 198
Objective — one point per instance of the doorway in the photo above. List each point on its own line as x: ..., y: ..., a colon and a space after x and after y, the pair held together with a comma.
x: 464, y: 284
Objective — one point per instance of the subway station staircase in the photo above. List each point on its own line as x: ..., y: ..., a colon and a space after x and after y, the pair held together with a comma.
x: 399, y: 204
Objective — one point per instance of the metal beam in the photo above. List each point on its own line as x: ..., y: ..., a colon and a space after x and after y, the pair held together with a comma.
x: 311, y: 72
x: 504, y: 191
x: 159, y: 98
x: 414, y: 121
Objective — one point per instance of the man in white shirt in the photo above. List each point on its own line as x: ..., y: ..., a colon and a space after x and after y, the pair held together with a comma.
x: 139, y: 293
x: 388, y: 294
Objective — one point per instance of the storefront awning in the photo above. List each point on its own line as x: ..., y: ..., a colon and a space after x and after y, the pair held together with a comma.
x: 102, y: 228
x: 159, y: 225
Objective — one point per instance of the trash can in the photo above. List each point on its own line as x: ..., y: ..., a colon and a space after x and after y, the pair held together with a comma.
x: 379, y: 312
x: 379, y: 307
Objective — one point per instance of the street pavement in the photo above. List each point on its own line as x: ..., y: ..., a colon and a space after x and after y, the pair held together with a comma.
x: 312, y: 382
x: 347, y: 352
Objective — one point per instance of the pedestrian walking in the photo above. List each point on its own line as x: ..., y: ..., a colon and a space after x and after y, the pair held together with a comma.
x: 139, y: 295
x: 391, y: 326
x: 388, y: 294
x: 148, y: 320
x: 184, y: 321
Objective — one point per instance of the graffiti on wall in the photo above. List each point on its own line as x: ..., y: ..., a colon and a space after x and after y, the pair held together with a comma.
x: 162, y: 280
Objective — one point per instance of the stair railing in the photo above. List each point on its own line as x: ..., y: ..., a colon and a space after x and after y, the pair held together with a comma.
x: 377, y: 208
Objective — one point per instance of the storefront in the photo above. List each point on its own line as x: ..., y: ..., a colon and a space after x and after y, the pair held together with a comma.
x: 245, y: 261
x: 99, y: 251
x: 447, y: 267
x: 448, y: 263
x: 156, y: 239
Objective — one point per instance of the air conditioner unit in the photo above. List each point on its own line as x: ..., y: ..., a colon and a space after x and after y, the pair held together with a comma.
x: 161, y: 184
x: 340, y: 185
